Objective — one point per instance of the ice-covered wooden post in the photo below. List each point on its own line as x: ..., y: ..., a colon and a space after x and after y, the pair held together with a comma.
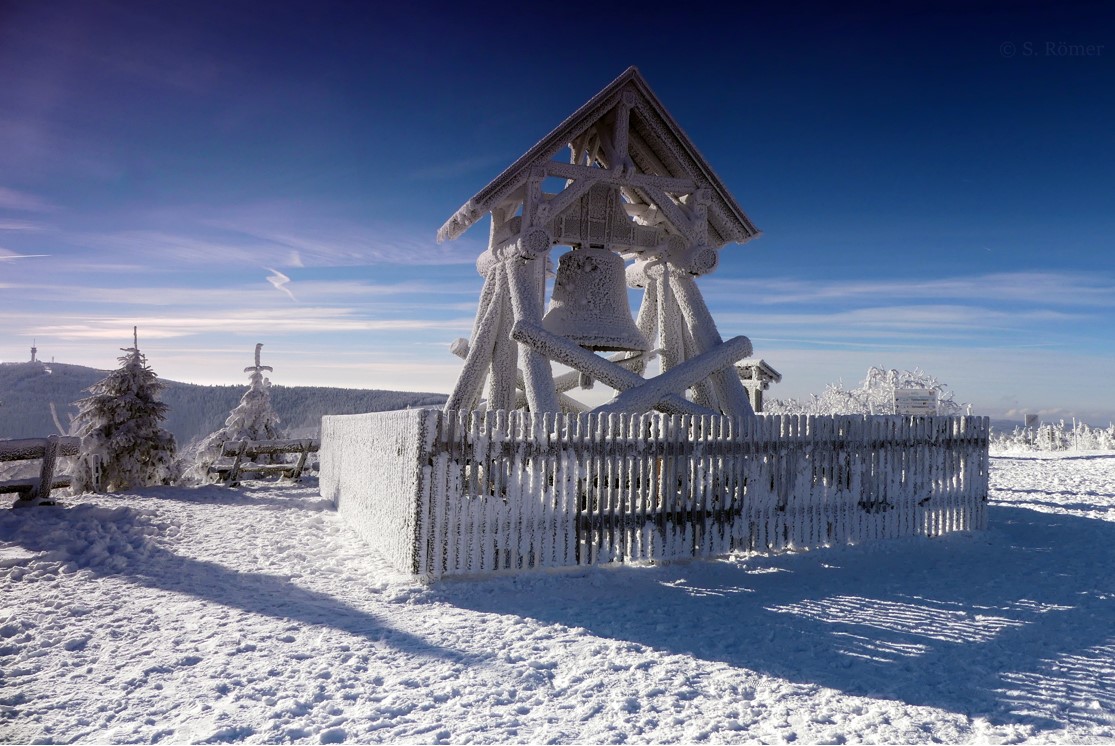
x: 257, y: 368
x: 757, y: 375
x: 630, y: 187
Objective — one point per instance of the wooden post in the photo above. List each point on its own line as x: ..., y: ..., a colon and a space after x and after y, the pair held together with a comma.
x: 296, y: 473
x: 46, y: 472
x: 735, y: 400
x: 466, y: 394
x: 525, y: 281
x: 233, y: 477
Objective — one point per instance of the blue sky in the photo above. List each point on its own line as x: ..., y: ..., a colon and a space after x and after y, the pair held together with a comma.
x: 934, y: 181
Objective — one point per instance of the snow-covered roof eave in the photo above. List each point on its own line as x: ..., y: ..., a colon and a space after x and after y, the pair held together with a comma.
x: 737, y: 227
x: 763, y: 366
x: 460, y: 222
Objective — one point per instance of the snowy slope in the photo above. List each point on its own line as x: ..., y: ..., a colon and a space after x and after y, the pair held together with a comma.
x: 191, y: 615
x: 28, y: 389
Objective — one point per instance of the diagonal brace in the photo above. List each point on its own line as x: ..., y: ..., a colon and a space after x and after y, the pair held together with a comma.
x: 560, y: 349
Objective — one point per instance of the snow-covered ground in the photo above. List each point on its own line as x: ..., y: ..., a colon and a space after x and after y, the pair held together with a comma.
x: 213, y: 615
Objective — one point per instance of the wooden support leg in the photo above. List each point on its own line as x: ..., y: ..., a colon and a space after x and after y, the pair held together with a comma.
x: 734, y: 399
x: 562, y: 383
x: 705, y: 392
x: 470, y: 384
x: 501, y: 394
x: 669, y: 324
x: 647, y: 322
x: 525, y: 277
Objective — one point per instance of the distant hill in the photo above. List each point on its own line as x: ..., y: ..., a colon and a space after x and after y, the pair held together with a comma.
x: 27, y: 390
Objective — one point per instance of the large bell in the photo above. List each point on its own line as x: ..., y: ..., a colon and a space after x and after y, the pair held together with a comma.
x: 589, y: 304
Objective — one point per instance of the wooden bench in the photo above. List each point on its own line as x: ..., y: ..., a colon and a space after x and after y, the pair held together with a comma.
x: 243, y: 453
x: 47, y: 450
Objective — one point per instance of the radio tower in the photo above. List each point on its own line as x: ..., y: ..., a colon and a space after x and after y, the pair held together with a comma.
x: 34, y: 350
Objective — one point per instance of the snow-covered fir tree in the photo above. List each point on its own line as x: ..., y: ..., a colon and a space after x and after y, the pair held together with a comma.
x: 252, y: 419
x: 123, y: 444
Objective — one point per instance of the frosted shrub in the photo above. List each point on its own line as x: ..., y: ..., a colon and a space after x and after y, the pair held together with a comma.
x: 1055, y: 437
x: 874, y: 395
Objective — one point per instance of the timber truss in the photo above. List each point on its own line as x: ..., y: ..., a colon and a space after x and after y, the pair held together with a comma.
x: 631, y: 183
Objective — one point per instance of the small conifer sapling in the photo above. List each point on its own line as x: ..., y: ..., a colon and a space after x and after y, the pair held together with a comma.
x: 253, y: 419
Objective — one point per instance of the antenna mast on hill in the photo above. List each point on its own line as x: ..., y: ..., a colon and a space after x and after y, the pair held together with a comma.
x: 135, y: 336
x: 34, y: 349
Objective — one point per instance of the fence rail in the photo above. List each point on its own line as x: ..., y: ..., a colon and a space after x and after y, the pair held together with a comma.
x: 498, y: 492
x: 244, y: 453
x: 46, y: 450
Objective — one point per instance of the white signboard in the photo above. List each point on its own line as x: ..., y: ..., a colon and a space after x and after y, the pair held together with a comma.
x: 915, y: 401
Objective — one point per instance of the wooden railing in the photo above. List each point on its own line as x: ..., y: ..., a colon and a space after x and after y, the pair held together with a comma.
x: 46, y: 450
x: 244, y: 453
x: 499, y: 492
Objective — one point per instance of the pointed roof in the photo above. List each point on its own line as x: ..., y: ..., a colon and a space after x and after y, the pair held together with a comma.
x: 657, y: 146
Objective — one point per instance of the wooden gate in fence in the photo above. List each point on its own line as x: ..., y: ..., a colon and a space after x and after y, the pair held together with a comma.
x: 498, y: 492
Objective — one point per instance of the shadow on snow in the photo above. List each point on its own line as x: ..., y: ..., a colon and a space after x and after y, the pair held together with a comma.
x: 249, y: 492
x: 111, y: 541
x: 1015, y: 625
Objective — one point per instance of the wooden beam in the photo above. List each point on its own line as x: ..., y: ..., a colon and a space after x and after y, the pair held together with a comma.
x: 669, y: 324
x: 526, y: 283
x: 564, y: 382
x: 664, y: 183
x: 554, y: 206
x: 569, y: 353
x: 621, y: 132
x: 612, y: 158
x: 470, y: 383
x: 647, y: 323
x: 644, y: 397
x: 676, y: 214
x: 734, y: 398
x: 504, y: 370
x: 639, y: 148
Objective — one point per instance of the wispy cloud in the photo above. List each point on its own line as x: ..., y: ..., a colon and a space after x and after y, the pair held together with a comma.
x: 160, y: 251
x: 10, y: 199
x: 1044, y: 288
x: 271, y: 321
x: 5, y: 255
x: 433, y: 297
x: 905, y: 320
x: 18, y: 225
x: 273, y: 235
x: 280, y: 281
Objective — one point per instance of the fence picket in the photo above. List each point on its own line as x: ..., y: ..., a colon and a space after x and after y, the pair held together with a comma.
x: 511, y: 491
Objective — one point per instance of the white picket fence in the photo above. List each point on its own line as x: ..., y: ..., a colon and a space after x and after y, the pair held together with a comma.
x: 508, y: 492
